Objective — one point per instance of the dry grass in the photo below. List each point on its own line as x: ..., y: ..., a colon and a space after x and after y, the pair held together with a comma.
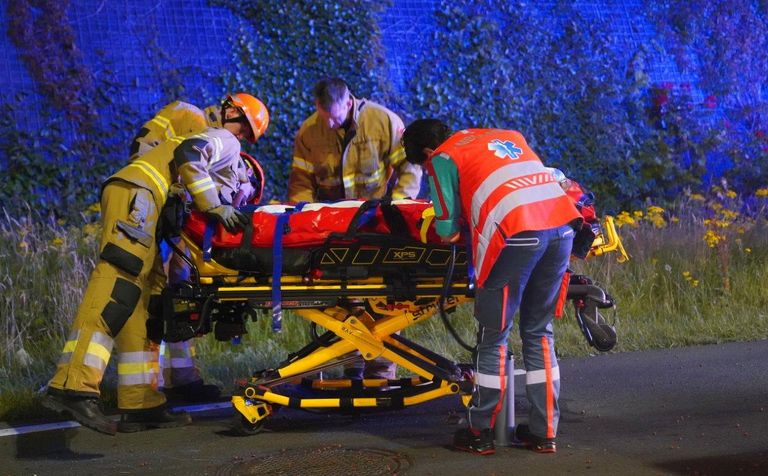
x: 672, y: 293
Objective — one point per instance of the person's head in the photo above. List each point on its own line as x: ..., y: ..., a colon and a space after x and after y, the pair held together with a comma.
x: 422, y: 137
x: 333, y: 101
x: 245, y: 116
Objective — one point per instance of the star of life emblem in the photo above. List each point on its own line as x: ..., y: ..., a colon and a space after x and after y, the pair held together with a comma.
x: 504, y: 149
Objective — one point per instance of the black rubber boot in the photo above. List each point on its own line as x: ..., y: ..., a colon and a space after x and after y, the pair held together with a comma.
x: 83, y: 409
x: 158, y: 417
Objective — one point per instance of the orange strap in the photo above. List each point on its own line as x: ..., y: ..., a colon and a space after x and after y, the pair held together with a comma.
x: 560, y: 306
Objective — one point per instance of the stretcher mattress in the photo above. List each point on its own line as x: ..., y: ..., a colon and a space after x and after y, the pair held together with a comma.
x: 353, y: 239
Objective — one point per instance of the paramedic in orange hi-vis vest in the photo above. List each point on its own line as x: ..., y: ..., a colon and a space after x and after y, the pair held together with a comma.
x: 521, y: 226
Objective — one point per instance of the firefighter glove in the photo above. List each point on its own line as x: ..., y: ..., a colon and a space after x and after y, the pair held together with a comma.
x: 228, y: 216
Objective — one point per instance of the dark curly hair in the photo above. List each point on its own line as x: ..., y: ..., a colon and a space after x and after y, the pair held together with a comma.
x: 421, y: 133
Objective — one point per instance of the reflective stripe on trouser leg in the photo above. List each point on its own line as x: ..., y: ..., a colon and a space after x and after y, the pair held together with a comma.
x: 490, y: 378
x: 138, y: 392
x: 177, y: 364
x: 138, y: 365
x: 542, y: 387
x: 87, y: 350
x: 536, y: 331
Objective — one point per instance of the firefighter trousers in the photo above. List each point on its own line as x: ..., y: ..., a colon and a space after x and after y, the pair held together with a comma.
x: 527, y: 276
x: 114, y: 309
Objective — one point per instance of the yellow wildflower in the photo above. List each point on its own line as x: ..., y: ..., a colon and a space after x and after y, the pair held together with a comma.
x: 658, y: 221
x: 747, y: 250
x: 763, y: 193
x: 712, y: 239
x: 624, y: 218
x: 697, y: 197
x: 730, y: 194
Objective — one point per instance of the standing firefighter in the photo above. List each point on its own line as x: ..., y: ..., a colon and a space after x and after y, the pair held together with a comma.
x: 520, y: 222
x: 179, y: 376
x: 349, y: 148
x: 114, y: 308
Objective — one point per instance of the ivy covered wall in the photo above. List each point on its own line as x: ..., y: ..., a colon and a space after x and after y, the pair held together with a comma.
x: 638, y: 99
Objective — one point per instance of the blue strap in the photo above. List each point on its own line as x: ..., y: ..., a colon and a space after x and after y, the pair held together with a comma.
x: 210, y: 229
x: 277, y: 267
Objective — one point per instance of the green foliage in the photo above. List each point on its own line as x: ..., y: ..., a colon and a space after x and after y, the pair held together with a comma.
x: 565, y: 84
x: 280, y: 52
x: 586, y: 105
x: 49, y: 170
x: 719, y: 42
x: 41, y: 31
x: 58, y: 169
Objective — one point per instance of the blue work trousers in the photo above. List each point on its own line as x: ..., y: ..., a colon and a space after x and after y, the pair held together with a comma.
x: 527, y: 276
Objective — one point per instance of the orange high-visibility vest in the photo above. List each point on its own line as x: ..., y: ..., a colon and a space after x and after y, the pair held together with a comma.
x: 504, y: 190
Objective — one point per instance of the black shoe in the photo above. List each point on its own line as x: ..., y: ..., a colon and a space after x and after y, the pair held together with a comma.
x: 158, y: 417
x: 83, y: 409
x: 533, y: 442
x: 470, y: 440
x: 194, y: 392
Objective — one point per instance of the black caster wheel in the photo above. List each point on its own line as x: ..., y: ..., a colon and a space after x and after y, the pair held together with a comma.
x: 243, y: 427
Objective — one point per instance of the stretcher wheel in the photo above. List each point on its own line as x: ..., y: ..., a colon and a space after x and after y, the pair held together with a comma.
x: 245, y: 428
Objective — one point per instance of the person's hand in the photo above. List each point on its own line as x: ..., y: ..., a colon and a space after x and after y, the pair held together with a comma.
x: 229, y: 217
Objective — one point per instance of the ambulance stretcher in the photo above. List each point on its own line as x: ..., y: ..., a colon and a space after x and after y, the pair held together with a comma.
x: 359, y: 271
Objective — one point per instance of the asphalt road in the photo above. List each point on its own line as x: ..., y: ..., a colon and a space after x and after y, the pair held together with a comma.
x: 698, y: 410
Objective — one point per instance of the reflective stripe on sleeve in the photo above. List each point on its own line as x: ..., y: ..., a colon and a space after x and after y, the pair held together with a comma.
x: 397, y: 156
x: 301, y: 164
x: 196, y: 188
x: 166, y: 124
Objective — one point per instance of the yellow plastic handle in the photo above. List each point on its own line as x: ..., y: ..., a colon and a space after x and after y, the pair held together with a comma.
x: 608, y: 240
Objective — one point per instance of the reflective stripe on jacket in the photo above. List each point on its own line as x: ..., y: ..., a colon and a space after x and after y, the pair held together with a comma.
x: 322, y: 171
x: 504, y: 189
x: 205, y: 163
x: 176, y: 119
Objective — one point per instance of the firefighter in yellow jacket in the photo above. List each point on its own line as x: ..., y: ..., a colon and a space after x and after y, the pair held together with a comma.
x: 179, y: 377
x: 114, y: 308
x: 349, y: 148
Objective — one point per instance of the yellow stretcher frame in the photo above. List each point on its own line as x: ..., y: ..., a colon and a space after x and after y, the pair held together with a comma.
x: 347, y: 333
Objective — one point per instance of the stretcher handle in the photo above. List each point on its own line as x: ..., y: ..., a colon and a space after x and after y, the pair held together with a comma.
x: 192, y: 267
x: 612, y: 242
